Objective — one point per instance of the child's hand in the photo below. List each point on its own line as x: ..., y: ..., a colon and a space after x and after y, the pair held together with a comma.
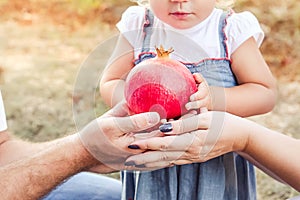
x: 201, y: 99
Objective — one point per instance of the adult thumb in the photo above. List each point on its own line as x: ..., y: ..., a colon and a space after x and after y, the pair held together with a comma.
x: 137, y: 122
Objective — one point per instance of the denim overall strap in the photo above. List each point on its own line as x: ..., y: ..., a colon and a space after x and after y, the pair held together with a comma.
x: 149, y: 17
x: 217, y: 71
x: 222, y: 36
x: 147, y: 31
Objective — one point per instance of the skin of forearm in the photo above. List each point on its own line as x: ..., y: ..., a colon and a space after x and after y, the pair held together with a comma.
x: 16, y: 149
x: 261, y: 167
x: 36, y: 175
x: 112, y: 92
x: 244, y: 100
x: 276, y: 152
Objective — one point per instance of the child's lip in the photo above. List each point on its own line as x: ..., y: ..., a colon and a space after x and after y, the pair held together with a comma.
x: 180, y: 15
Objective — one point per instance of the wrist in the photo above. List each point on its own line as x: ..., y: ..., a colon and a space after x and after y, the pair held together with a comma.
x: 240, y: 129
x: 85, y: 157
x: 217, y: 99
x: 252, y: 133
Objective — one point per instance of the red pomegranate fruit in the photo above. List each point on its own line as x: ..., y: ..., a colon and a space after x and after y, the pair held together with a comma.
x: 159, y: 85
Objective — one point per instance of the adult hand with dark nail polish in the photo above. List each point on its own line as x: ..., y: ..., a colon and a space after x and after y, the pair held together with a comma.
x: 213, y: 133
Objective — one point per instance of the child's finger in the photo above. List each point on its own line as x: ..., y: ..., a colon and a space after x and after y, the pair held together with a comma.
x: 196, y: 104
x: 202, y: 93
x: 198, y: 78
x: 189, y: 114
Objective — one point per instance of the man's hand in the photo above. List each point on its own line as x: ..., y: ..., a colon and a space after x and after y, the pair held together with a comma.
x: 107, y: 137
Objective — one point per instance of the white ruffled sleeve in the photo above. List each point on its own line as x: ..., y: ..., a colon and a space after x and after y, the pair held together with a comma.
x: 132, y: 19
x: 240, y: 27
x: 131, y: 24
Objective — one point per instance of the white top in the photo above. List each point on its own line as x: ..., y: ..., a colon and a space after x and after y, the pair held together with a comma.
x: 3, y: 124
x: 204, y: 36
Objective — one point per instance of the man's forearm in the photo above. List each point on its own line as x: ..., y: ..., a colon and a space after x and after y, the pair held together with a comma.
x: 13, y: 149
x: 36, y: 175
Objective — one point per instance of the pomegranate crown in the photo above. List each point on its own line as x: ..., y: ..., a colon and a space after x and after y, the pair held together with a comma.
x: 162, y: 53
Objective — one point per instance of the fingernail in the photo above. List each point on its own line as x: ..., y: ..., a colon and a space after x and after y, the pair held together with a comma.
x: 140, y: 166
x: 133, y: 146
x: 187, y: 107
x: 153, y: 118
x: 129, y: 163
x: 167, y: 127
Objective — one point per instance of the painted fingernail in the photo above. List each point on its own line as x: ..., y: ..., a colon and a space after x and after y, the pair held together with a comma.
x: 129, y: 163
x: 166, y: 127
x: 133, y: 146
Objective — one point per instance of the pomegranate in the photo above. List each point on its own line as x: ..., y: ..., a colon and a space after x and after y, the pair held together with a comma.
x: 159, y: 85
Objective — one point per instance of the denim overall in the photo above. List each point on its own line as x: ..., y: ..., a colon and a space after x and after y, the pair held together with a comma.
x: 228, y: 177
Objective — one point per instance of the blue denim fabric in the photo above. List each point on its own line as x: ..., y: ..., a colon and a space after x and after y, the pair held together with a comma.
x: 228, y: 177
x: 87, y: 186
